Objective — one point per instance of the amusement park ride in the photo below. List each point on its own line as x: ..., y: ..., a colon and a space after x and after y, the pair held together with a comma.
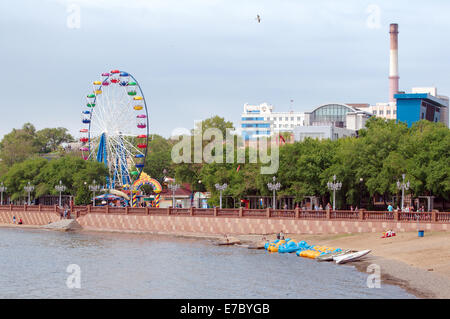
x: 116, y: 133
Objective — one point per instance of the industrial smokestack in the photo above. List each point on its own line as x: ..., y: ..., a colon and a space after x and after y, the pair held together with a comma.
x: 393, y: 67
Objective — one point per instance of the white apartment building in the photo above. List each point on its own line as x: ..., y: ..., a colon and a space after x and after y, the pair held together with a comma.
x: 383, y: 110
x: 260, y: 121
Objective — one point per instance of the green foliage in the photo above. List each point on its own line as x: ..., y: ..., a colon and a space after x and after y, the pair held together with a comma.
x: 159, y: 158
x: 49, y: 139
x: 383, y: 152
x: 379, y: 156
x: 45, y: 175
x: 21, y: 144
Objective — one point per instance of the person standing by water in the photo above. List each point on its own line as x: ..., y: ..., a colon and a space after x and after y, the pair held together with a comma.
x: 14, y: 219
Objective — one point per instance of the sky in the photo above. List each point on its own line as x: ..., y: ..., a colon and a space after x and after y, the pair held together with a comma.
x: 198, y: 58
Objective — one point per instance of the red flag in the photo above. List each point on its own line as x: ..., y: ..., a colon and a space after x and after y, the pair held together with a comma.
x: 238, y: 168
x: 282, y: 139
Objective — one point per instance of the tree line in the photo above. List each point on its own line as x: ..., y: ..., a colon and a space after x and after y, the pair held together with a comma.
x: 368, y: 166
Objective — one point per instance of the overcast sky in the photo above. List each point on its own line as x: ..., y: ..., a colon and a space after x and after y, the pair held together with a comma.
x: 198, y: 58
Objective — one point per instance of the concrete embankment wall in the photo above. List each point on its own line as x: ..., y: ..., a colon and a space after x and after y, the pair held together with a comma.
x: 29, y: 218
x: 227, y: 221
x: 242, y: 225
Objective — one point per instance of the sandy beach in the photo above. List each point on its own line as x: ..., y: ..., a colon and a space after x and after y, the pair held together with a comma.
x: 419, y: 265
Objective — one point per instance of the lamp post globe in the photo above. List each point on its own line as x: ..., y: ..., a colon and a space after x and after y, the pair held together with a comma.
x: 221, y: 188
x: 29, y: 188
x: 334, y: 186
x: 274, y: 187
x: 60, y: 188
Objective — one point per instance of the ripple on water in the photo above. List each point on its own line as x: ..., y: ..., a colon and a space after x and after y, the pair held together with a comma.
x: 144, y: 266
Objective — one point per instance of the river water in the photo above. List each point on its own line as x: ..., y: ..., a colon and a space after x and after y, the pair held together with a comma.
x: 33, y: 264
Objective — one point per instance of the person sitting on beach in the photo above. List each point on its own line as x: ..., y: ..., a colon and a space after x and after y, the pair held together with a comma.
x: 281, y: 235
x: 20, y: 221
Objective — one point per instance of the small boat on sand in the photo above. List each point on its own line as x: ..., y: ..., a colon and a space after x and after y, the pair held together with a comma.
x: 350, y: 256
x: 329, y: 256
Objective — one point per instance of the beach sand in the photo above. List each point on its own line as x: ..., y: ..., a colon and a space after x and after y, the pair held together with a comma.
x: 420, y: 265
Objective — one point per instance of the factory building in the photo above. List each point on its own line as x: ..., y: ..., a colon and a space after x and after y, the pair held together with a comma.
x: 413, y: 107
x: 337, y: 120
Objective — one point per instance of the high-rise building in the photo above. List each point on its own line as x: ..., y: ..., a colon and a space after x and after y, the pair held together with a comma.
x: 260, y: 121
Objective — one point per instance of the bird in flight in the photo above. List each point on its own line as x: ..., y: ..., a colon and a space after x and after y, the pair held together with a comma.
x: 258, y: 18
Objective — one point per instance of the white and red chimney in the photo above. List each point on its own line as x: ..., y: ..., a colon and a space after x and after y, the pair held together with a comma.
x: 393, y: 66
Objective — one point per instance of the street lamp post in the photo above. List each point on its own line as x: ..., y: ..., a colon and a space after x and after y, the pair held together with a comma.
x: 360, y: 191
x: 29, y: 188
x: 403, y: 186
x: 221, y: 188
x: 3, y: 188
x: 274, y: 187
x: 174, y: 188
x: 94, y: 187
x: 334, y: 186
x: 60, y: 188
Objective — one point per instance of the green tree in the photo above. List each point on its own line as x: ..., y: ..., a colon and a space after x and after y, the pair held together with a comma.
x: 159, y: 158
x: 19, y: 145
x: 49, y: 139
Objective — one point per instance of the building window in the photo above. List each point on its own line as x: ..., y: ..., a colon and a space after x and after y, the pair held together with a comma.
x: 423, y: 116
x: 374, y: 112
x: 292, y: 119
x: 388, y: 112
x: 394, y: 112
x: 381, y: 112
x: 287, y: 118
x: 298, y: 118
x: 253, y: 118
x: 280, y: 118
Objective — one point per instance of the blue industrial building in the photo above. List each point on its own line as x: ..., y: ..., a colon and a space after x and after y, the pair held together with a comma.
x: 413, y: 107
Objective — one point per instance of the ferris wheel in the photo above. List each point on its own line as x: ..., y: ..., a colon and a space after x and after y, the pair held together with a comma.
x: 116, y: 127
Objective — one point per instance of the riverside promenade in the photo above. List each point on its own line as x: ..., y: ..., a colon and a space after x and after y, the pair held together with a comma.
x: 229, y: 221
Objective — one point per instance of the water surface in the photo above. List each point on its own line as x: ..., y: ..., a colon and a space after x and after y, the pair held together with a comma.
x: 33, y: 264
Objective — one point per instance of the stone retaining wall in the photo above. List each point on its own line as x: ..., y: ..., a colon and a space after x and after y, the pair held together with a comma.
x: 29, y: 218
x: 242, y: 225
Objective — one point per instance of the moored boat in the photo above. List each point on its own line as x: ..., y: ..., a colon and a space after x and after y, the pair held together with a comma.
x: 350, y: 256
x: 329, y: 256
